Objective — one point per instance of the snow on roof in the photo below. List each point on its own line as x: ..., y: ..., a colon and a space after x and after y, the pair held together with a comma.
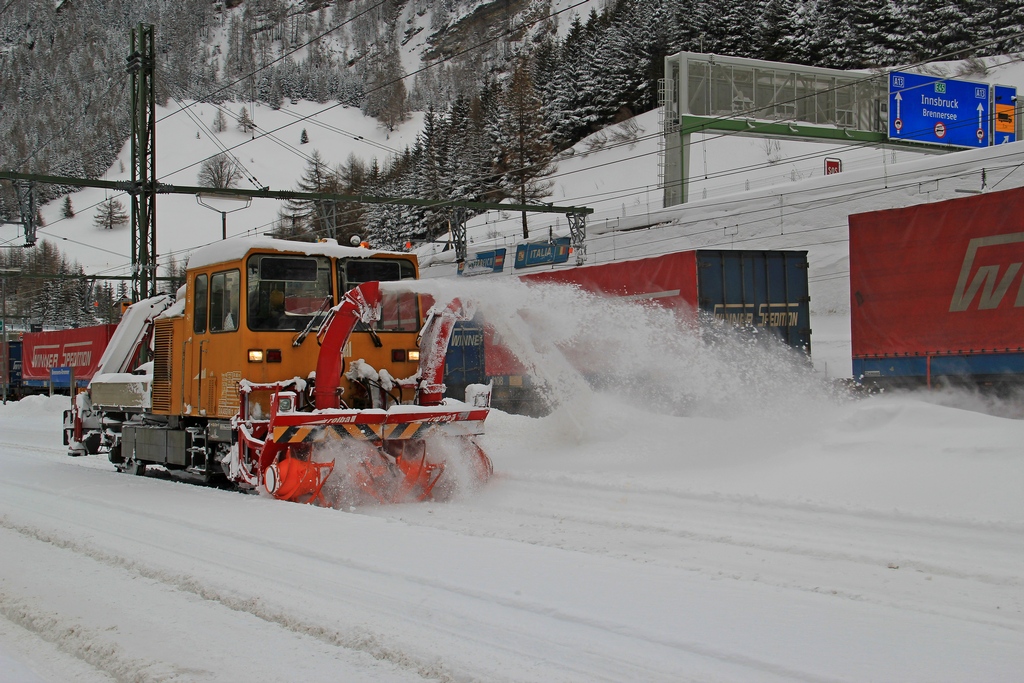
x: 234, y: 249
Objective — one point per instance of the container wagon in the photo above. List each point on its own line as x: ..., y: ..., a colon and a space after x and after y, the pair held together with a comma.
x: 936, y: 292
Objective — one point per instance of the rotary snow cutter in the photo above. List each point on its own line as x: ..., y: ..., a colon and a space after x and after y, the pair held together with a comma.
x: 402, y: 443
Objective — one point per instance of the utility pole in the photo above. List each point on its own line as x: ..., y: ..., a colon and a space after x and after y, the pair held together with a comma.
x: 27, y: 206
x: 140, y: 64
x: 4, y: 272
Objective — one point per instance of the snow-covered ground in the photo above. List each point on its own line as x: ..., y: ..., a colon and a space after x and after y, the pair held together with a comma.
x: 722, y: 517
x: 719, y: 514
x: 798, y: 538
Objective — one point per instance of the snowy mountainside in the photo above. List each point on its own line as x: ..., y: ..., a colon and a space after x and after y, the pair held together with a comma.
x: 272, y: 158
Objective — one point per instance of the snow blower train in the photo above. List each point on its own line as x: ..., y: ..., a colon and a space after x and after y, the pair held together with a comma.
x: 276, y: 360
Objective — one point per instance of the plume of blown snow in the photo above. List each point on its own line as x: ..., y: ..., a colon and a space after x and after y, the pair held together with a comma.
x: 578, y: 344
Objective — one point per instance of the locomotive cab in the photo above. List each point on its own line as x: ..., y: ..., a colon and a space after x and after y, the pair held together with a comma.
x: 251, y: 314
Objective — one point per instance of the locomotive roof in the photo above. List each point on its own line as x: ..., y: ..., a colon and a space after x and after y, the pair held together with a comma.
x: 235, y: 249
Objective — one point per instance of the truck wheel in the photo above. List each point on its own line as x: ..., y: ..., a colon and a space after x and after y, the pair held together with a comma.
x: 132, y: 466
x: 217, y: 480
x: 135, y: 467
x: 92, y: 443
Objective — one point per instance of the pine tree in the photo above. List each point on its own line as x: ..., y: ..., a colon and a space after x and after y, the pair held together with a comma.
x: 66, y: 209
x: 318, y: 218
x: 774, y: 31
x: 524, y: 156
x: 245, y: 123
x: 304, y: 137
x: 352, y: 181
x: 385, y: 96
x: 220, y: 124
x: 109, y: 214
x: 942, y: 28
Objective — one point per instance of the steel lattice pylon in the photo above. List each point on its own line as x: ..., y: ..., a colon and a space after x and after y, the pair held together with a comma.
x: 27, y: 207
x: 578, y: 235
x: 140, y: 64
x: 458, y: 230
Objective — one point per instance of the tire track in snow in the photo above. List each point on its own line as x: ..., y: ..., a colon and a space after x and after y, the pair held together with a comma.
x: 809, y: 545
x: 366, y: 643
x: 566, y: 482
x: 872, y: 544
x: 16, y: 447
x: 85, y: 644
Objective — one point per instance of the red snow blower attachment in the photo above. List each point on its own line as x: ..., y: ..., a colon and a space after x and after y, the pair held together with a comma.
x: 403, y: 452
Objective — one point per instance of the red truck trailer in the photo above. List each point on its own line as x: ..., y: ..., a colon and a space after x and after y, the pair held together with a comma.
x: 936, y: 292
x: 63, y: 356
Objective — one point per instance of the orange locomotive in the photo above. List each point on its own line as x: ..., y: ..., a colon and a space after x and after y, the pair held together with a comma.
x: 278, y: 352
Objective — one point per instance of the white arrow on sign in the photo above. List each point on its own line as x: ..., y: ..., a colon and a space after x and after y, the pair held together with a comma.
x: 981, y: 114
x: 899, y: 98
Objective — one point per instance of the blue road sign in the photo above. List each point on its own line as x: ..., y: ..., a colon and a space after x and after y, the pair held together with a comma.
x: 485, y: 262
x: 556, y: 251
x: 940, y: 111
x: 1004, y: 107
x: 60, y: 377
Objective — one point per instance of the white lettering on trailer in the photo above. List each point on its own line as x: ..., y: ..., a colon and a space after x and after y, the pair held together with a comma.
x: 987, y: 279
x: 46, y: 355
x: 467, y: 339
x: 776, y: 318
x: 76, y: 358
x: 441, y: 418
x: 767, y: 315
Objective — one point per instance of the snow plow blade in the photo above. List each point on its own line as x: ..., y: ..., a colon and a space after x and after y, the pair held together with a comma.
x: 397, y: 465
x: 400, y: 422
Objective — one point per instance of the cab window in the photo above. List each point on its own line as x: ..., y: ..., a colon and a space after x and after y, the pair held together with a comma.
x: 199, y: 305
x: 399, y: 312
x: 284, y: 292
x: 225, y: 289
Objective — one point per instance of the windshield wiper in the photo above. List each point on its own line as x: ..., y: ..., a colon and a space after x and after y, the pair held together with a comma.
x: 301, y: 336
